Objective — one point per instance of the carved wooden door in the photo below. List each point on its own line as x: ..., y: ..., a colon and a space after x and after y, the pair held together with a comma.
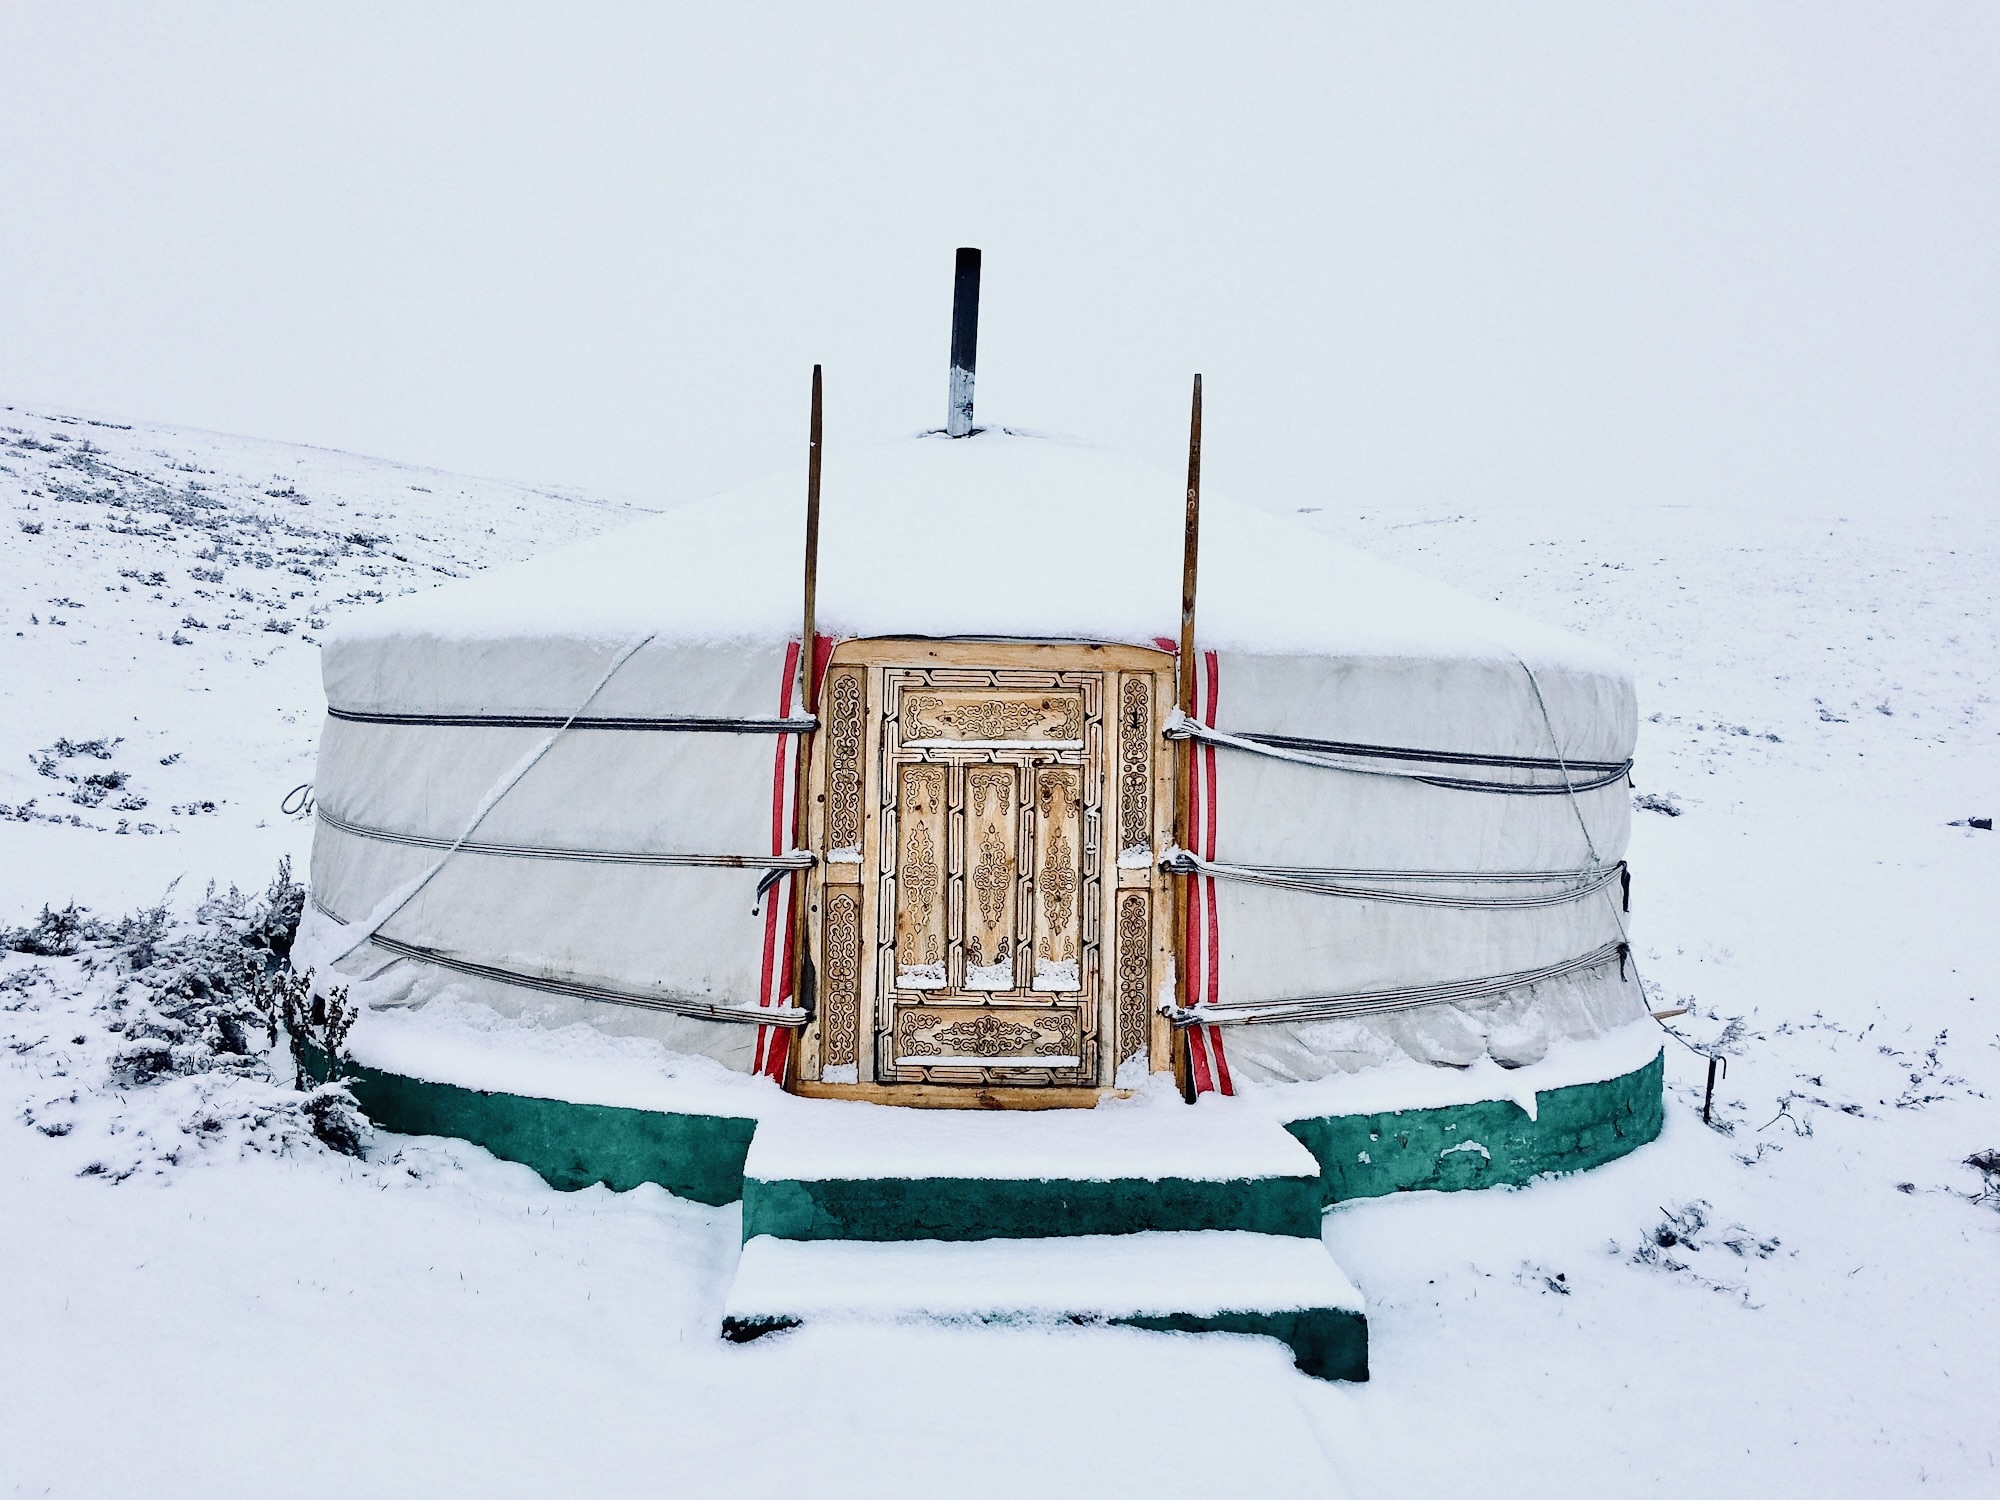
x: 988, y: 900
x: 987, y: 952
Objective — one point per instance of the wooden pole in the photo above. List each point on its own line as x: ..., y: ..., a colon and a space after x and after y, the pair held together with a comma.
x: 802, y: 975
x: 1190, y: 558
x: 811, y: 627
x: 1184, y: 781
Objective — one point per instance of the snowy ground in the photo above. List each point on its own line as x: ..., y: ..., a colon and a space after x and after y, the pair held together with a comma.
x: 198, y: 1299
x: 160, y: 593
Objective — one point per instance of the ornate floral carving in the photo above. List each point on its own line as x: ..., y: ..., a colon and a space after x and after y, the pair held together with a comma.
x: 986, y: 1036
x: 1135, y: 764
x: 923, y: 793
x: 1058, y: 793
x: 1072, y: 712
x: 992, y: 872
x: 919, y: 875
x: 840, y: 1014
x: 991, y: 877
x: 1057, y: 882
x: 915, y: 706
x: 927, y: 785
x: 1063, y: 1041
x: 1135, y: 971
x: 909, y: 1021
x: 981, y: 780
x: 929, y: 716
x: 843, y: 790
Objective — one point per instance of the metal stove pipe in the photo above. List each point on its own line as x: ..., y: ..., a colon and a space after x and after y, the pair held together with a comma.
x: 964, y: 343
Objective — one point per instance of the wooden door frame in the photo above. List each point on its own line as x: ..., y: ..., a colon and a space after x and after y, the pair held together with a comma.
x: 841, y: 895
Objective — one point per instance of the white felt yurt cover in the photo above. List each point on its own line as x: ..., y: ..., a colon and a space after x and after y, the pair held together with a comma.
x: 997, y: 536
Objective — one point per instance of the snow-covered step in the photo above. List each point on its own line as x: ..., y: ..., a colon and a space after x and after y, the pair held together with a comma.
x: 869, y: 1172
x: 1274, y: 1285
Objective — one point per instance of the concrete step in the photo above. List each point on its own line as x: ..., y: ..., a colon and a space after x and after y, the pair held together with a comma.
x: 839, y: 1171
x: 1275, y: 1285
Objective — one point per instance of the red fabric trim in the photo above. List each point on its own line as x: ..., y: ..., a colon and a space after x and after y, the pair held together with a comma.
x: 1195, y: 952
x: 775, y: 987
x: 777, y: 1045
x: 1212, y: 930
x: 1208, y: 837
x: 1197, y: 956
x: 1201, y: 953
x: 822, y: 654
x: 1198, y: 1038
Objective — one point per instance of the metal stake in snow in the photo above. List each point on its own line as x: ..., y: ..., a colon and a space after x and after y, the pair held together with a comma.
x: 1708, y: 1095
x: 964, y: 343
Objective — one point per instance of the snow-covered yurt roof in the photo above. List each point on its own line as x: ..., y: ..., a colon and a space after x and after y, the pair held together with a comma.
x: 1460, y: 724
x: 1002, y: 534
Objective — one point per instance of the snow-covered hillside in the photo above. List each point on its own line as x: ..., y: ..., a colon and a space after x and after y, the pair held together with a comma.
x: 161, y: 593
x: 1799, y: 1299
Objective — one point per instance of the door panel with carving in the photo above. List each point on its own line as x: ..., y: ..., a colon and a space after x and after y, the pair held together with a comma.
x: 993, y: 848
x: 1058, y: 901
x: 973, y: 925
x: 920, y: 863
x: 991, y: 877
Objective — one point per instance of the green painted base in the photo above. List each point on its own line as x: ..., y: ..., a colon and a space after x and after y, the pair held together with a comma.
x: 1488, y: 1144
x: 1327, y: 1343
x: 1491, y: 1144
x: 570, y: 1145
x: 960, y: 1208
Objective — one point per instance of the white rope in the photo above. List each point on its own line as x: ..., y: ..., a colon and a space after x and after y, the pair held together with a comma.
x: 374, y: 922
x: 1334, y: 882
x: 1372, y: 1002
x: 1556, y: 745
x: 1617, y: 916
x: 1179, y: 726
x: 678, y: 1005
x: 671, y: 723
x: 1406, y: 997
x: 797, y: 859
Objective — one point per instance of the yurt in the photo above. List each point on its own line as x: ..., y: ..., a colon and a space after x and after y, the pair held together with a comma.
x: 987, y: 833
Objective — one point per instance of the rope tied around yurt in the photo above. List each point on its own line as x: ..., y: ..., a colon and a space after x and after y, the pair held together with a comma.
x: 1591, y: 879
x: 777, y: 865
x: 664, y: 723
x: 577, y: 989
x: 1343, y: 1006
x: 397, y: 900
x: 1618, y: 908
x: 1364, y: 760
x: 1333, y: 882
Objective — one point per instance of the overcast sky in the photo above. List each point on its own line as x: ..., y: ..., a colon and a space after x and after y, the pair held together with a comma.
x: 1466, y: 255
